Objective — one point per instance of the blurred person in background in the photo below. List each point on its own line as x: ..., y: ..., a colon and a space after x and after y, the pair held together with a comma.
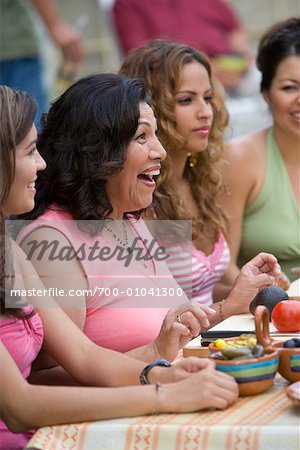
x: 212, y: 27
x: 21, y: 63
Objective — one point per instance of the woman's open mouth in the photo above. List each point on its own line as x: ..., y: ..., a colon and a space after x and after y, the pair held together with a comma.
x: 147, y: 177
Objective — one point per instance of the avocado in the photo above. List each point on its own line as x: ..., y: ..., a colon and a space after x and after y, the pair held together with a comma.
x: 268, y: 297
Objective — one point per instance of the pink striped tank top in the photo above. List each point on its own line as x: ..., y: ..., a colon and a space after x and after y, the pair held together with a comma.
x: 196, y: 272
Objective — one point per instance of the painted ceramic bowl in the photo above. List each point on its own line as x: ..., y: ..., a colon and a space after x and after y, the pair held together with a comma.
x: 289, y: 358
x: 252, y: 375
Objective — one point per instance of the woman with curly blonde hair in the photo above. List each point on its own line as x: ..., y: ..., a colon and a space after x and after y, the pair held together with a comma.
x: 191, y: 115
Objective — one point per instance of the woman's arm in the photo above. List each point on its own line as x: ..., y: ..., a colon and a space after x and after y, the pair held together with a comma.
x: 261, y: 271
x: 179, y: 326
x: 87, y: 363
x: 221, y: 290
x: 240, y: 179
x: 61, y: 275
x: 47, y: 250
x: 57, y: 276
x: 24, y: 406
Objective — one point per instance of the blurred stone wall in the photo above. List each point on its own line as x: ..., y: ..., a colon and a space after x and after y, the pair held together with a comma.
x: 93, y: 19
x: 258, y: 15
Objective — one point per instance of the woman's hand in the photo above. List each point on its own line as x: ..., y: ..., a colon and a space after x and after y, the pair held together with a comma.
x: 257, y: 274
x: 180, y: 325
x: 180, y: 370
x: 283, y: 282
x: 207, y: 388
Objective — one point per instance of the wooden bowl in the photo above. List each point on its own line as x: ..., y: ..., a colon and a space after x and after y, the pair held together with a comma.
x: 289, y: 358
x: 253, y: 376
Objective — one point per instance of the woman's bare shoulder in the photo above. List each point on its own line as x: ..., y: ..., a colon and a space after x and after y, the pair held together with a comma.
x: 245, y: 148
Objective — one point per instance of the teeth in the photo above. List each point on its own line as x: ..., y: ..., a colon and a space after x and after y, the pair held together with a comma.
x: 152, y: 173
x: 31, y: 185
x: 297, y: 115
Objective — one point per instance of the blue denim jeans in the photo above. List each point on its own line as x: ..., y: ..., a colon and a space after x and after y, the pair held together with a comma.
x: 26, y: 74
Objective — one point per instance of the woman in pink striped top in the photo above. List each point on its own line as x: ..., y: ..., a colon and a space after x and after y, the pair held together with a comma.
x: 191, y: 119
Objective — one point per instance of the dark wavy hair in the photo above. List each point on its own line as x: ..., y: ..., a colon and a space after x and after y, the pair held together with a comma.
x: 84, y: 140
x: 279, y: 42
x: 17, y: 112
x: 159, y: 64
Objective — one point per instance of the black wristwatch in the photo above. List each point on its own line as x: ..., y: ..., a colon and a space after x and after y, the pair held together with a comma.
x: 146, y: 370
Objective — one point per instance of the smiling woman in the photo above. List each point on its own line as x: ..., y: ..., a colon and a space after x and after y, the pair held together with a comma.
x: 28, y: 162
x: 103, y: 156
x: 132, y: 189
x: 263, y: 168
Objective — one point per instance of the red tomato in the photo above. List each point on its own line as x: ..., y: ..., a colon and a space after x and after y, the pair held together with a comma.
x: 286, y: 316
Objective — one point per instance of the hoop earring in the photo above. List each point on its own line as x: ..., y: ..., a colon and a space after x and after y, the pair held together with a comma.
x: 193, y: 158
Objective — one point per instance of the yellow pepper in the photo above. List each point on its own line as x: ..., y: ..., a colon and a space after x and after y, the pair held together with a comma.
x: 220, y: 343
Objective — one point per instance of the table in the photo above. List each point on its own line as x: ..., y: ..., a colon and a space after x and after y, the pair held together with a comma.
x: 263, y: 422
x: 243, y: 323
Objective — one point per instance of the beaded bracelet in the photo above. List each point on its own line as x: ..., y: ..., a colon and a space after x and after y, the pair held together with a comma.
x: 158, y: 392
x: 221, y: 312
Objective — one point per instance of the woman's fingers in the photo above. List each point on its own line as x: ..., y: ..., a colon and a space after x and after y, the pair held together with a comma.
x: 179, y: 326
x: 262, y: 263
x: 225, y: 387
x: 192, y: 323
x: 194, y: 364
x: 194, y: 316
x: 283, y: 281
x: 218, y: 389
x: 222, y: 398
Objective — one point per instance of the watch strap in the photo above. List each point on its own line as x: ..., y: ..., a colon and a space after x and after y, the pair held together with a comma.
x: 158, y: 362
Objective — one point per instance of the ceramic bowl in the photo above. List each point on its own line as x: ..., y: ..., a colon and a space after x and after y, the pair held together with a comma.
x: 289, y: 362
x: 252, y: 375
x: 289, y: 358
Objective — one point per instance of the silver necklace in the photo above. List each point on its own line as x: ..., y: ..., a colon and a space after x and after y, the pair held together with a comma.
x: 123, y: 242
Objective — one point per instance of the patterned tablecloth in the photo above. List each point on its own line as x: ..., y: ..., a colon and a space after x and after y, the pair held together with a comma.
x: 268, y: 421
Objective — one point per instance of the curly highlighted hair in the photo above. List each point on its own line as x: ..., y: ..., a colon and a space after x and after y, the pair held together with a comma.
x: 159, y: 65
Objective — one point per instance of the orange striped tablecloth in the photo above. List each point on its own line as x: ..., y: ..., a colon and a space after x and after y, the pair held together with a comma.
x: 264, y: 422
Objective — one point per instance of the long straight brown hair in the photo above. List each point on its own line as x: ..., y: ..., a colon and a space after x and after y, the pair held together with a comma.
x: 17, y: 112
